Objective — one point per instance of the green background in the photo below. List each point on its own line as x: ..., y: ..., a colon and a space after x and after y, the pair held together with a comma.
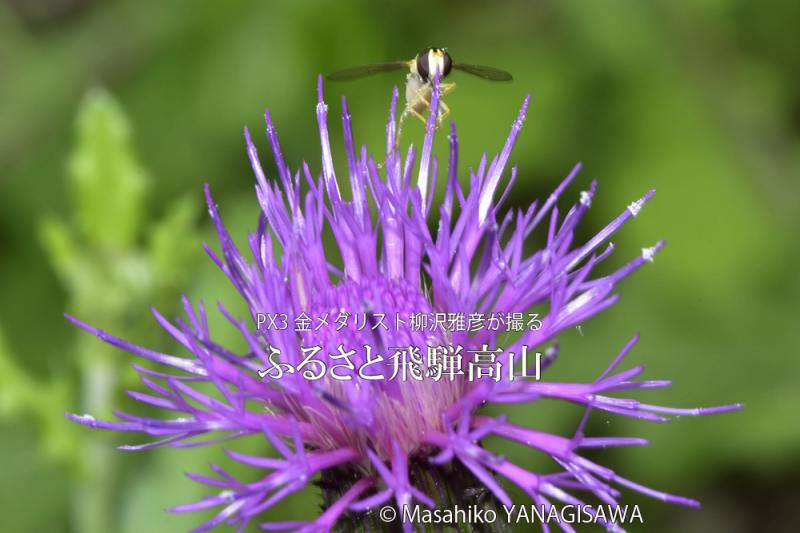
x: 113, y: 115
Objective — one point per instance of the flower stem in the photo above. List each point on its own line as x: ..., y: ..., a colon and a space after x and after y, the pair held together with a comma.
x: 452, y: 487
x: 94, y: 492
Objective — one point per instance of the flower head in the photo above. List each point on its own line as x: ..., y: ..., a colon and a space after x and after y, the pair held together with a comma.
x: 390, y: 262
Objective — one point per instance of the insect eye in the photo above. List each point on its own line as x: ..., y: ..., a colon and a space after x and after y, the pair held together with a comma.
x: 423, y: 66
x: 448, y: 63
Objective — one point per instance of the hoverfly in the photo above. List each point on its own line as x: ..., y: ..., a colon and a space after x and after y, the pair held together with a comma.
x: 422, y: 70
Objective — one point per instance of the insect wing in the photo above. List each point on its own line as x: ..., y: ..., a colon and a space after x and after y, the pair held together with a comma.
x: 487, y: 73
x: 365, y: 70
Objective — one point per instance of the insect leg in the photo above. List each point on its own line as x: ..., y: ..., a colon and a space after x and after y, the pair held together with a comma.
x: 447, y: 88
x: 415, y: 101
x: 420, y: 116
x: 421, y: 101
x: 442, y: 113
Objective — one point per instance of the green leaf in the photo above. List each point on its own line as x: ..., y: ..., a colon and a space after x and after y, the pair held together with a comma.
x: 107, y: 182
x: 174, y: 242
x: 21, y: 395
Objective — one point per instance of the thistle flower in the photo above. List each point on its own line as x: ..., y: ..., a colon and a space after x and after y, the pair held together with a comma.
x: 373, y: 442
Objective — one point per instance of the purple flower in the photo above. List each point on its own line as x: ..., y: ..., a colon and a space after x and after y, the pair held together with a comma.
x: 390, y: 262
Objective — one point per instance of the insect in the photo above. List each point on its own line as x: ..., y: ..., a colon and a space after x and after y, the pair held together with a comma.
x: 422, y: 70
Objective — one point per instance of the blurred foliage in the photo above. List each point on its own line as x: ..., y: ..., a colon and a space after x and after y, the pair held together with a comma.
x: 696, y: 98
x: 111, y: 262
x: 21, y: 394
